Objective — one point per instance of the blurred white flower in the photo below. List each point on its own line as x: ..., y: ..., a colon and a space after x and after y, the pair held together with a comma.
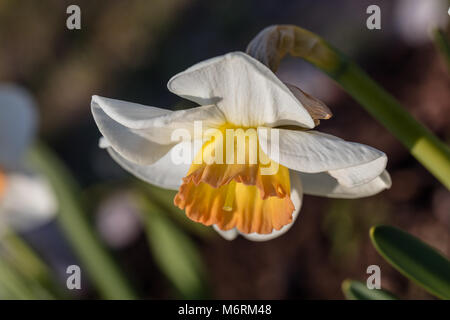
x: 118, y: 220
x: 414, y: 19
x: 237, y: 91
x: 26, y: 199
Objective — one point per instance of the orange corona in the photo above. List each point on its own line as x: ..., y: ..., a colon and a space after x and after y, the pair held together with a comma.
x: 2, y: 182
x: 236, y: 195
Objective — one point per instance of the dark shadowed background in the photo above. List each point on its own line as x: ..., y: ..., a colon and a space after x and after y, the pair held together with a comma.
x: 129, y: 49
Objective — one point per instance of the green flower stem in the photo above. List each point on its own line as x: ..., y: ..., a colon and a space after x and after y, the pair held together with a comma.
x: 421, y: 143
x: 273, y: 43
x: 99, y: 265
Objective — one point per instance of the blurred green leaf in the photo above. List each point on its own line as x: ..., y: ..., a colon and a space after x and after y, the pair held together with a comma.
x: 27, y: 262
x: 346, y: 224
x: 101, y: 268
x: 414, y: 259
x: 174, y: 252
x: 164, y: 198
x: 442, y: 43
x: 339, y: 225
x: 356, y: 290
x: 15, y: 285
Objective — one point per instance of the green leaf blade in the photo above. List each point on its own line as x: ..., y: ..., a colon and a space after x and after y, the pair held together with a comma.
x: 414, y: 259
x: 356, y: 290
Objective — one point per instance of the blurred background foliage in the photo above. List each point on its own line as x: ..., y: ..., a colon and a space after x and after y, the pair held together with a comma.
x: 146, y: 247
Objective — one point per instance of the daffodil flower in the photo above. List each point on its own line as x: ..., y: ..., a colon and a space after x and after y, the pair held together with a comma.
x: 236, y: 91
x: 26, y: 199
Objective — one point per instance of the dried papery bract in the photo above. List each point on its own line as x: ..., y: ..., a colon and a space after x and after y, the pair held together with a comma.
x: 316, y: 108
x: 274, y: 42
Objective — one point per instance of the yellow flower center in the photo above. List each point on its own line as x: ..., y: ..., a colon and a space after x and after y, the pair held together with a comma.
x: 233, y: 184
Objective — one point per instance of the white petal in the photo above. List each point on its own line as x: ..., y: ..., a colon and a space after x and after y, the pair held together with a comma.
x: 313, y: 151
x: 143, y: 134
x: 296, y: 197
x: 322, y: 184
x: 248, y: 93
x: 138, y: 116
x: 163, y: 173
x: 362, y: 174
x: 17, y: 124
x: 228, y: 234
x: 129, y: 143
x: 28, y: 201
